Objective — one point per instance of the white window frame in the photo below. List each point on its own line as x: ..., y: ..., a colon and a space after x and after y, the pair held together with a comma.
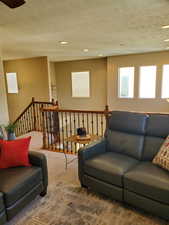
x: 139, y: 87
x: 119, y: 88
x: 12, y: 75
x: 163, y: 81
x: 81, y: 73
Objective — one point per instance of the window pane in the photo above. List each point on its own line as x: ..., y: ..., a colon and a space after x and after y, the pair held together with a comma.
x: 165, y: 82
x: 147, y: 82
x: 80, y: 84
x: 12, y: 83
x: 126, y: 82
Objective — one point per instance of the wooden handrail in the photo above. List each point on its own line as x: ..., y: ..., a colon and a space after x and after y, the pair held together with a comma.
x: 23, y: 112
x: 39, y: 102
x: 61, y: 124
x: 73, y: 110
x: 30, y: 119
x: 31, y: 103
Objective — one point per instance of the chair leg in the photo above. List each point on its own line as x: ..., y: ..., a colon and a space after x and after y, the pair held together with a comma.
x: 83, y: 186
x: 43, y: 193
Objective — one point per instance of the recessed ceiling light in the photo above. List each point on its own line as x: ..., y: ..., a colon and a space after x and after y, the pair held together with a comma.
x: 86, y: 50
x: 100, y: 55
x: 63, y: 42
x: 165, y: 27
x: 166, y: 40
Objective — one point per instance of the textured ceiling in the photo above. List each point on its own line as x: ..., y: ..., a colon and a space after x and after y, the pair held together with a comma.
x: 108, y: 27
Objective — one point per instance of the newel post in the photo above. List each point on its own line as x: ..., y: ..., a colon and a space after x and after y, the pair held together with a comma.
x: 54, y: 103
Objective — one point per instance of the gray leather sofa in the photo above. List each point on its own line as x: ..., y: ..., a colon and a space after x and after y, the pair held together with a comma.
x: 20, y: 185
x: 120, y: 165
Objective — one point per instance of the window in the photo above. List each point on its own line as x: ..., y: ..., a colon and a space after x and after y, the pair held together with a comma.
x: 147, y: 86
x: 126, y: 82
x: 80, y: 84
x: 165, y: 82
x: 12, y: 84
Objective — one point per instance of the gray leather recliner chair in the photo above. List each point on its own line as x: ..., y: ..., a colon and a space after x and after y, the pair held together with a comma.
x: 120, y: 165
x: 20, y: 185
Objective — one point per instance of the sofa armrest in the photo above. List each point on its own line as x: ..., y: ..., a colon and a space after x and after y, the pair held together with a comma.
x: 88, y: 152
x: 39, y: 159
x: 92, y: 149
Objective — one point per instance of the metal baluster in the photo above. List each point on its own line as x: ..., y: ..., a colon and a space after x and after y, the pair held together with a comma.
x: 47, y: 126
x: 92, y: 124
x: 74, y: 122
x: 32, y: 118
x: 102, y: 125
x: 41, y: 119
x: 26, y: 121
x: 19, y: 125
x: 70, y: 120
x: 51, y: 130
x: 44, y: 130
x: 22, y: 125
x: 63, y: 141
x: 38, y: 116
x: 97, y: 124
x: 58, y: 143
x: 83, y: 120
x: 78, y: 116
x: 87, y: 121
x: 66, y: 131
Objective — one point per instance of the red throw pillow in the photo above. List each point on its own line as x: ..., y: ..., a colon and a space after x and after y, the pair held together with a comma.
x: 14, y: 153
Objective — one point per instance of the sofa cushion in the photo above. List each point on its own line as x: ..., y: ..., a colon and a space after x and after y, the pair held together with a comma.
x: 109, y: 167
x: 2, y: 207
x: 16, y: 182
x: 157, y: 129
x: 151, y: 147
x: 125, y: 133
x: 157, y: 125
x: 125, y: 143
x: 148, y: 180
x: 129, y: 122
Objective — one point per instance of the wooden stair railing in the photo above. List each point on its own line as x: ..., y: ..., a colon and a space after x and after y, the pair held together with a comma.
x: 60, y: 126
x: 31, y: 117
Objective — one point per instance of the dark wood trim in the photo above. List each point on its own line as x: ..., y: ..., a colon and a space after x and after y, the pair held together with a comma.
x: 72, y: 110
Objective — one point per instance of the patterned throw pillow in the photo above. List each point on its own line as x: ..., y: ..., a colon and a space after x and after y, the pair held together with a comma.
x: 162, y: 157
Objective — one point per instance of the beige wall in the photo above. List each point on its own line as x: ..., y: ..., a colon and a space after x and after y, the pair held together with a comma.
x: 32, y: 75
x: 33, y: 78
x: 3, y: 99
x: 98, y: 70
x: 136, y: 104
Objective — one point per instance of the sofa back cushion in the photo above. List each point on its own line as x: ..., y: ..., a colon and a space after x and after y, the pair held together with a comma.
x: 157, y: 129
x: 125, y: 133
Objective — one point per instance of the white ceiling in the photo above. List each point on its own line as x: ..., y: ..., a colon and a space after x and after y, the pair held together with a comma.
x: 109, y: 27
